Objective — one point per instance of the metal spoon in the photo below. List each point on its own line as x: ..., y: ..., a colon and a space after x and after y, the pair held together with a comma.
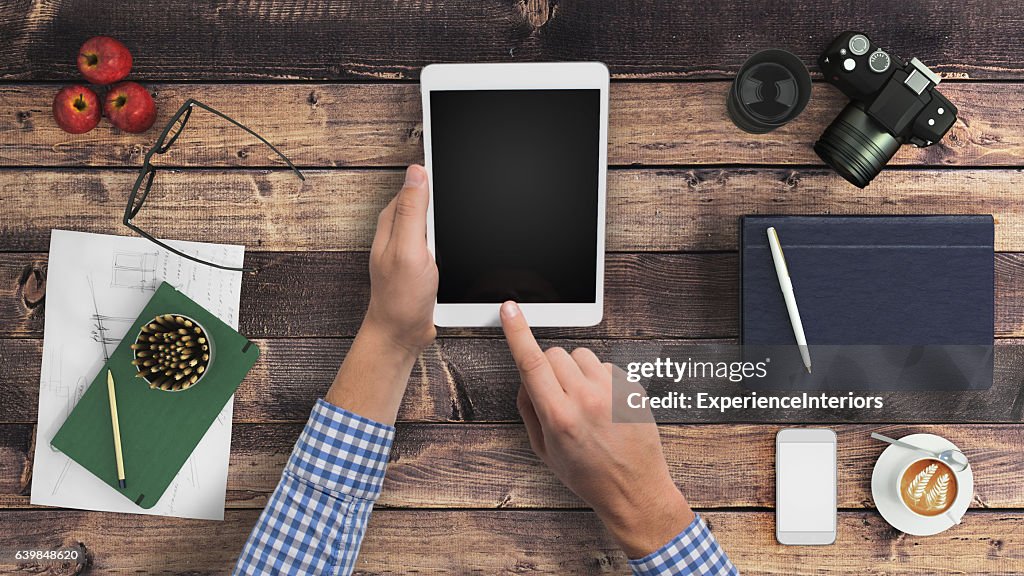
x: 955, y: 459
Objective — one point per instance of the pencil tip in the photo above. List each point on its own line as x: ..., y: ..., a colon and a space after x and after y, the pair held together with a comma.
x: 808, y: 369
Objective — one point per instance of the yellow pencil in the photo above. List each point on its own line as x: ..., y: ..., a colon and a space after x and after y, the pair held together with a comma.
x: 117, y: 430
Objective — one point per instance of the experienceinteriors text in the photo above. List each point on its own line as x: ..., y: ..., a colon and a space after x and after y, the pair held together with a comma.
x: 707, y: 401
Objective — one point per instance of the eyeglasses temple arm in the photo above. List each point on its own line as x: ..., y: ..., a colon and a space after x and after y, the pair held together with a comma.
x: 145, y: 235
x: 247, y: 129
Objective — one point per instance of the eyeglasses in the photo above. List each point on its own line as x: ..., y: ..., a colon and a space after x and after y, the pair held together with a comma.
x: 148, y: 171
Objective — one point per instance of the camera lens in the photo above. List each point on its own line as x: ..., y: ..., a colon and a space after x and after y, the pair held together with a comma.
x: 855, y: 146
x: 771, y: 88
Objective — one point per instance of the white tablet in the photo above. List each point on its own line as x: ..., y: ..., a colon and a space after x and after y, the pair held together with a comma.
x: 517, y: 156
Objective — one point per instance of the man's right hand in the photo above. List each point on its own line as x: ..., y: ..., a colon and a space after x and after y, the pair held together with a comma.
x: 619, y: 469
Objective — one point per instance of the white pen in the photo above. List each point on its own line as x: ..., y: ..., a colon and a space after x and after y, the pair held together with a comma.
x: 787, y: 293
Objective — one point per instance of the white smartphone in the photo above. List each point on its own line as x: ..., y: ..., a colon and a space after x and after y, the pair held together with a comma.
x: 805, y: 486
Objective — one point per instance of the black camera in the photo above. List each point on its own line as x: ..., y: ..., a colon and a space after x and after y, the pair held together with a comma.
x: 892, y: 102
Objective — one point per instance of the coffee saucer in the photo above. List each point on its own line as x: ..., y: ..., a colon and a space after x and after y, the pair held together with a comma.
x: 883, y: 487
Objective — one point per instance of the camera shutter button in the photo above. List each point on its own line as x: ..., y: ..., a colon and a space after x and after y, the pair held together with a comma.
x: 849, y: 64
x: 859, y: 44
x: 879, y: 61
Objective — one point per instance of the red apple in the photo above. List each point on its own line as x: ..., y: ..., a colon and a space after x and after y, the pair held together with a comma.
x: 130, y: 107
x: 103, y: 60
x: 76, y: 109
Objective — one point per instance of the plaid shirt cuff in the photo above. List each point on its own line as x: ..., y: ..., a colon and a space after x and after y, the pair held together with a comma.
x: 341, y: 452
x: 693, y: 552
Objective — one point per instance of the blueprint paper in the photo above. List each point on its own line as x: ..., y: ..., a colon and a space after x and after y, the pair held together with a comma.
x: 96, y: 287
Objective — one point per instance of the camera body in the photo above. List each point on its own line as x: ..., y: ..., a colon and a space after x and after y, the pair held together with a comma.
x: 892, y: 102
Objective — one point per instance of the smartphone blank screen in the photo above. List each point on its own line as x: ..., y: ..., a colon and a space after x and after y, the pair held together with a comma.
x: 807, y: 487
x: 515, y: 194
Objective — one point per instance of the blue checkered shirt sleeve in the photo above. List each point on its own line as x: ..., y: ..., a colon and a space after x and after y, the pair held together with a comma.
x: 317, y: 515
x: 694, y: 551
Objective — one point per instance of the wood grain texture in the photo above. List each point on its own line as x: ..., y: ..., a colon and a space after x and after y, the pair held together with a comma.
x: 648, y: 210
x: 376, y: 39
x: 492, y: 466
x: 300, y: 294
x: 325, y: 294
x: 375, y: 125
x: 464, y: 493
x: 513, y: 542
x: 475, y: 380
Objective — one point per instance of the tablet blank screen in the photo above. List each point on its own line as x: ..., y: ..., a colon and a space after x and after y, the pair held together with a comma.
x: 515, y: 194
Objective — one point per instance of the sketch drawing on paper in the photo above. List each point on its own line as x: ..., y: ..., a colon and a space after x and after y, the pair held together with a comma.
x: 71, y: 401
x: 53, y: 383
x: 106, y: 330
x: 136, y: 270
x: 103, y: 327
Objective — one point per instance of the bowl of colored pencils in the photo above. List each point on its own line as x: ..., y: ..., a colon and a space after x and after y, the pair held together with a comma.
x: 172, y: 352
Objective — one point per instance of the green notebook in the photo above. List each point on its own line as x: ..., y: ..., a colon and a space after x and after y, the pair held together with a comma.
x: 159, y: 428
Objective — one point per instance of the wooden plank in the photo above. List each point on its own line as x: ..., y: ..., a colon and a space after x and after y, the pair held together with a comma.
x: 376, y: 39
x: 570, y: 543
x: 492, y: 466
x: 475, y: 380
x: 648, y: 210
x: 699, y: 290
x: 356, y: 125
x: 646, y: 296
x: 514, y: 542
x: 649, y: 295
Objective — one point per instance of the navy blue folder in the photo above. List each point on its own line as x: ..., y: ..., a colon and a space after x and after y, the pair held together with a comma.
x: 887, y: 302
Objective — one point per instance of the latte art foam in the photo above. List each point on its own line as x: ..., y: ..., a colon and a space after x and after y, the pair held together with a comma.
x: 928, y: 487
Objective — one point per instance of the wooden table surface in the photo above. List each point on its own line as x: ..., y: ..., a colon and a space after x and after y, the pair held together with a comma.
x: 333, y: 84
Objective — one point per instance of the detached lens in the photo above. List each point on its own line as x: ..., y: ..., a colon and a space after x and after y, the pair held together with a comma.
x: 771, y: 89
x: 855, y: 146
